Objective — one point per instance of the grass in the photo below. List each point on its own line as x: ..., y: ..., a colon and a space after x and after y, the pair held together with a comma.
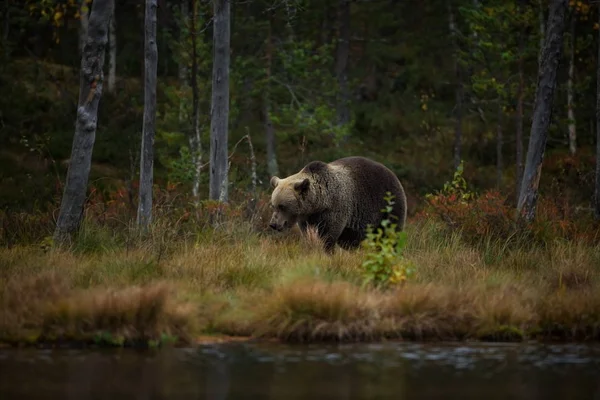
x: 114, y: 288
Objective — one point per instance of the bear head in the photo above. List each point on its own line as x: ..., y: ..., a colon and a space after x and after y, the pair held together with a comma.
x: 289, y: 200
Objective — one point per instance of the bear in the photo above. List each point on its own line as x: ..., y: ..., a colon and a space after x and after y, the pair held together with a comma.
x: 340, y: 199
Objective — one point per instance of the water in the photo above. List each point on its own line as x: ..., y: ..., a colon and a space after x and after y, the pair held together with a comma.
x: 273, y: 371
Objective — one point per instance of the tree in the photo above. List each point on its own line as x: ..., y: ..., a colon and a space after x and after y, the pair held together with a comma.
x: 570, y: 106
x: 341, y: 62
x: 144, y: 215
x: 182, y: 61
x: 90, y: 91
x: 542, y: 110
x: 219, y: 115
x: 112, y: 52
x: 83, y: 22
x: 194, y: 138
x: 459, y: 87
x: 519, y: 110
x: 597, y: 191
x: 272, y: 166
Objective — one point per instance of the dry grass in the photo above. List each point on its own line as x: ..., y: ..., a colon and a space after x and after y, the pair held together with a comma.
x: 238, y: 282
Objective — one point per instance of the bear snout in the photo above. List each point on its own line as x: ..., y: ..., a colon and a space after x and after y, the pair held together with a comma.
x: 276, y: 225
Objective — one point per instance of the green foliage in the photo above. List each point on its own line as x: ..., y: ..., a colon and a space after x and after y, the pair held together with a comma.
x: 385, y: 263
x: 457, y: 187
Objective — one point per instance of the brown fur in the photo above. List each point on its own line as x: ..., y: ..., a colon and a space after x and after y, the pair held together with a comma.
x: 340, y: 199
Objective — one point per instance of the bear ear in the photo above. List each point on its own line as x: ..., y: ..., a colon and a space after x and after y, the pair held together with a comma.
x: 302, y: 186
x: 274, y: 181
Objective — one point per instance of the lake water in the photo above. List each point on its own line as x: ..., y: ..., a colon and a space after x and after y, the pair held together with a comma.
x: 275, y: 371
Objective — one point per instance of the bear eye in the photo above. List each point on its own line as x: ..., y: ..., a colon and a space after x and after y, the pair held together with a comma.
x: 281, y: 207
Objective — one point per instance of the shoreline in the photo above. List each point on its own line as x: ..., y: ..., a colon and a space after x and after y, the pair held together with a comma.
x: 219, y: 339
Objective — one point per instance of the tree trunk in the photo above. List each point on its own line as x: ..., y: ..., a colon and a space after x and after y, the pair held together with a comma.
x: 570, y: 105
x: 519, y: 114
x: 144, y: 216
x: 459, y: 89
x: 499, y: 140
x: 542, y: 110
x: 194, y: 136
x: 112, y: 52
x: 219, y: 116
x: 597, y: 194
x: 90, y: 91
x: 341, y: 63
x: 272, y: 166
x: 83, y: 23
x: 542, y: 29
x: 182, y: 67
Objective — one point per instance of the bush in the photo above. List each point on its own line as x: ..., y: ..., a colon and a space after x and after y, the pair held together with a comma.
x: 490, y: 215
x: 385, y: 263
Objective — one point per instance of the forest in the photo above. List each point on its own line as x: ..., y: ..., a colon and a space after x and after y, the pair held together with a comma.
x: 138, y: 140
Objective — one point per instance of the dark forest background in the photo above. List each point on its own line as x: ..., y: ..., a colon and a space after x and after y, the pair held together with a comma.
x: 418, y: 85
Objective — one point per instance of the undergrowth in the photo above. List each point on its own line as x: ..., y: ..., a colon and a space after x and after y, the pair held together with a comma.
x: 240, y: 281
x: 467, y: 272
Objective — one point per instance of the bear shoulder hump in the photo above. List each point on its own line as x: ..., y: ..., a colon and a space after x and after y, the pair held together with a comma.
x: 315, y: 167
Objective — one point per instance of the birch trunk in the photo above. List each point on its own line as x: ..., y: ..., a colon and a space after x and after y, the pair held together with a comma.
x: 519, y: 113
x: 194, y: 137
x: 182, y: 67
x: 458, y: 91
x: 341, y: 64
x: 570, y: 90
x: 272, y: 166
x: 90, y: 92
x: 84, y: 10
x: 144, y: 216
x: 542, y: 111
x: 220, y: 102
x: 542, y: 23
x: 112, y: 52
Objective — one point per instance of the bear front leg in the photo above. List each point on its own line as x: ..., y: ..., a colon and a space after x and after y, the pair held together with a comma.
x: 332, y: 228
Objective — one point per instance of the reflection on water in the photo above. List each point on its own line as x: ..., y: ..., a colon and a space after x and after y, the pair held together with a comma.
x: 270, y: 371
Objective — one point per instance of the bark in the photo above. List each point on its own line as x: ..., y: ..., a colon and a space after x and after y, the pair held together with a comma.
x: 90, y: 91
x: 272, y: 166
x: 182, y: 68
x: 570, y: 90
x: 254, y: 177
x: 341, y: 62
x: 499, y: 143
x: 194, y: 138
x: 112, y: 52
x: 458, y: 91
x: 144, y: 216
x: 542, y: 29
x: 519, y: 113
x: 83, y: 23
x: 542, y: 110
x: 220, y: 102
x: 597, y: 191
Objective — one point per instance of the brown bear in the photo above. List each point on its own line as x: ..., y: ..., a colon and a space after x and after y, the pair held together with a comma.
x: 340, y: 199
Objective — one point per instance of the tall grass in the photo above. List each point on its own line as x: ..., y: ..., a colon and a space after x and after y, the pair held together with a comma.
x: 185, y: 280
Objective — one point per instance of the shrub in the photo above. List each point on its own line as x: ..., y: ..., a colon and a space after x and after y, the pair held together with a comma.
x: 385, y: 263
x: 489, y: 215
